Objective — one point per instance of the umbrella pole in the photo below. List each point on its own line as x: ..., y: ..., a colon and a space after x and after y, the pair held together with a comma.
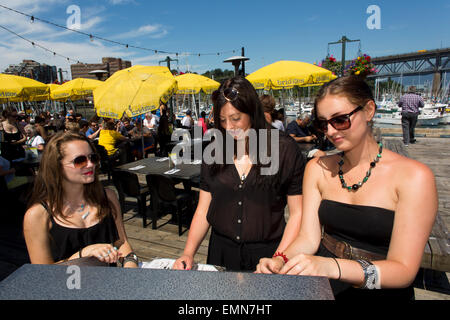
x: 142, y: 137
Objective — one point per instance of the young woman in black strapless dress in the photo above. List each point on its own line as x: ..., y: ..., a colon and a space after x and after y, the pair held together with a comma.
x: 367, y: 212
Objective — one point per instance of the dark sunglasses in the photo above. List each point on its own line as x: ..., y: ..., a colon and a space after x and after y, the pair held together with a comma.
x: 230, y: 94
x: 341, y: 122
x: 82, y: 161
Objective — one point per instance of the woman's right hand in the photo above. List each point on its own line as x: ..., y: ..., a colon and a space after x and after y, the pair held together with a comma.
x: 270, y: 265
x: 185, y: 262
x: 104, y: 252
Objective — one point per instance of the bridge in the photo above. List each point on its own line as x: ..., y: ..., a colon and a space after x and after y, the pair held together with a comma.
x: 421, y: 62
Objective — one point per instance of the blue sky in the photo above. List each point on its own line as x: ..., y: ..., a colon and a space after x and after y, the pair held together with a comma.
x: 269, y: 30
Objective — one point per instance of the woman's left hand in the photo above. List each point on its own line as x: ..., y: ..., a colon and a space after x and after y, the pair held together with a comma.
x: 307, y: 265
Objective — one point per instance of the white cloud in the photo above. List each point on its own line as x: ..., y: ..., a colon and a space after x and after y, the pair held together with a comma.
x: 154, y: 31
x: 117, y: 2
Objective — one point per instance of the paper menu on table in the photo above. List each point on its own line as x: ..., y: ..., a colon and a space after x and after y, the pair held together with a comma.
x: 136, y: 168
x: 168, y: 263
x: 172, y: 171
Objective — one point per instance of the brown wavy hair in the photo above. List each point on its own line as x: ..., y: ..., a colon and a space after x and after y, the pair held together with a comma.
x: 354, y: 88
x: 48, y: 185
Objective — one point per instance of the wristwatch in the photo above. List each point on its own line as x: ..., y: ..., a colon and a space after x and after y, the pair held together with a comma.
x: 131, y: 257
x: 371, y: 280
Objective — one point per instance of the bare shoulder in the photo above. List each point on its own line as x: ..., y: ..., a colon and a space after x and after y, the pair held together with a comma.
x: 408, y: 170
x: 36, y: 215
x: 323, y: 163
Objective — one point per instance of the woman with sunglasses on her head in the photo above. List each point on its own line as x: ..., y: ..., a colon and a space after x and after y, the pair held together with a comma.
x: 376, y: 207
x: 243, y: 203
x: 71, y: 215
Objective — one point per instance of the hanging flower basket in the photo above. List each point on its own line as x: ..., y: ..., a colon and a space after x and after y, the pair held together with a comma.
x: 361, y: 66
x: 330, y: 63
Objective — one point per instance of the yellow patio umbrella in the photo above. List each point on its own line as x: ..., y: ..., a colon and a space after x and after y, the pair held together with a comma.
x: 134, y: 91
x: 75, y: 89
x: 16, y: 88
x: 191, y: 83
x: 147, y: 69
x: 287, y: 74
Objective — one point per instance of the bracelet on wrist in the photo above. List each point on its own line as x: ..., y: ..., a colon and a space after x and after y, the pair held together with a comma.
x: 131, y: 257
x: 339, y: 267
x: 281, y: 254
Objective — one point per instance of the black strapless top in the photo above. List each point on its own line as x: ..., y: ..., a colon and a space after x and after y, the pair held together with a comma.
x: 363, y: 227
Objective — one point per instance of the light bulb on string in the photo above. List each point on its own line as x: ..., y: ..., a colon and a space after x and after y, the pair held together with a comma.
x: 32, y: 19
x: 91, y: 38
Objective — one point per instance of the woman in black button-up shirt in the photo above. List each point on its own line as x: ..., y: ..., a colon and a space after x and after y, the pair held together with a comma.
x: 243, y: 204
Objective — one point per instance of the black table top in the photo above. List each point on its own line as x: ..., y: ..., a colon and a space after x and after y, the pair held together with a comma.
x: 157, y: 165
x: 50, y: 282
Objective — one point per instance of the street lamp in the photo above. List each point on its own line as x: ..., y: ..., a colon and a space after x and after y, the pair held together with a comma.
x: 236, y: 62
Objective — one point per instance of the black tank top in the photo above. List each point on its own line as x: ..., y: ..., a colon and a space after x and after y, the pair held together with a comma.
x: 66, y: 241
x: 12, y: 151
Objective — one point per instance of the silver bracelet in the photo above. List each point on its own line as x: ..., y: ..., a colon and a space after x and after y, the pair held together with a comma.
x: 131, y: 257
x: 371, y: 275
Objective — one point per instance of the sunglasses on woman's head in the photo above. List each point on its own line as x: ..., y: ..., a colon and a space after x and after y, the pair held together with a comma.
x: 341, y: 122
x: 230, y: 94
x: 82, y: 161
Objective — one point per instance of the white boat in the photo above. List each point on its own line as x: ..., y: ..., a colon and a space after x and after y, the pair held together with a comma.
x: 445, y: 119
x: 395, y: 118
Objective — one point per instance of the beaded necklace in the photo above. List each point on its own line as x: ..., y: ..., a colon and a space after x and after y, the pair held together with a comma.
x: 358, y: 185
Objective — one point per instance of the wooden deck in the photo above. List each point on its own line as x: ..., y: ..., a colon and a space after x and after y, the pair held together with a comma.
x: 437, y: 251
x: 435, y: 152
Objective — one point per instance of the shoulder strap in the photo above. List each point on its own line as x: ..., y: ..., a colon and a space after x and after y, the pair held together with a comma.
x: 44, y: 205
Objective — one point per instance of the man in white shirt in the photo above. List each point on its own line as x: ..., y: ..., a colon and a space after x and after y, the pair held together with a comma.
x: 187, y: 122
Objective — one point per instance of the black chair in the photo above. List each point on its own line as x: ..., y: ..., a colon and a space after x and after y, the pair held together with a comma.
x: 106, y: 164
x: 127, y: 185
x: 164, y: 191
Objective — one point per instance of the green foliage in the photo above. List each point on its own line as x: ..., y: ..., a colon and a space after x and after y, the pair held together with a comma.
x: 219, y: 74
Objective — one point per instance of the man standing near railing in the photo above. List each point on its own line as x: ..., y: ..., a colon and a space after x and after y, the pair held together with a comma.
x: 410, y: 104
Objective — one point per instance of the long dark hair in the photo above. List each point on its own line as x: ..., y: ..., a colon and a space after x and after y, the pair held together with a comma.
x: 48, y: 185
x: 248, y: 102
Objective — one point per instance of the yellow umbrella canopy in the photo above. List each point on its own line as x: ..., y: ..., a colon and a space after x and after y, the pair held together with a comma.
x: 147, y: 69
x: 134, y: 91
x: 191, y: 83
x: 75, y: 89
x: 17, y: 88
x: 287, y: 74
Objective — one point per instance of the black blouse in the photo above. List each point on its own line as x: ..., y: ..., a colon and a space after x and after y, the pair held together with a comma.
x: 245, y: 211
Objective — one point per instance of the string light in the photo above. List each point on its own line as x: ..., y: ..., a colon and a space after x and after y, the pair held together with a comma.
x: 91, y: 36
x: 34, y: 44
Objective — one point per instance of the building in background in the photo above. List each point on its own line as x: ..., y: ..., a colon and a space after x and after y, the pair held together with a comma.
x: 34, y: 70
x: 108, y: 65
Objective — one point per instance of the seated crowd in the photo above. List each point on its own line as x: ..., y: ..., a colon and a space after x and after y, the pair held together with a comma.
x: 360, y: 217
